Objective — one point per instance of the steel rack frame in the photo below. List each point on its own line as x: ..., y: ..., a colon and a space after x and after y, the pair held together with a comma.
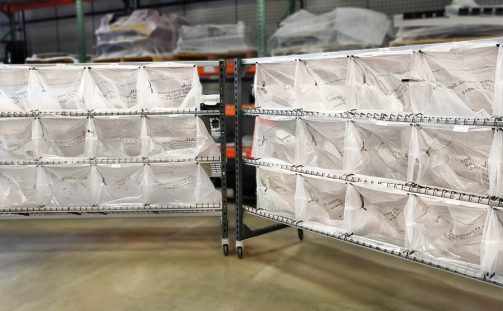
x: 218, y: 166
x: 244, y: 232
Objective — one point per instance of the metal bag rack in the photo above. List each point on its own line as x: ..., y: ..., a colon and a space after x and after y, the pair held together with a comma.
x: 244, y: 232
x: 213, y: 113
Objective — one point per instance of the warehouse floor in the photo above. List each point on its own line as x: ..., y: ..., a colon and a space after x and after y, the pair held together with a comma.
x: 177, y: 264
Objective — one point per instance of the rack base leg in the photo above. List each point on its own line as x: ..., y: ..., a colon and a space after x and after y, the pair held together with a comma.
x: 225, y: 246
x: 300, y: 232
x: 239, y: 249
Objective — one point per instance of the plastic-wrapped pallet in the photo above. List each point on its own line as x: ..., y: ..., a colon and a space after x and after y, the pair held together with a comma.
x: 222, y: 38
x: 276, y: 191
x: 142, y: 33
x: 452, y: 157
x: 305, y: 32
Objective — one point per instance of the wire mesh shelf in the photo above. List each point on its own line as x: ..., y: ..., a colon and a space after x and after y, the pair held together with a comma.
x: 407, y: 254
x: 412, y: 118
x: 408, y: 187
x: 112, y: 161
x: 92, y: 113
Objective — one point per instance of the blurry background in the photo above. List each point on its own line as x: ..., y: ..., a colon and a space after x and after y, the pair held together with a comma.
x: 51, y: 26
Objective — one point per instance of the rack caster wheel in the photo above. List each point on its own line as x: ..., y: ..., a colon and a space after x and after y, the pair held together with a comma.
x: 240, y: 252
x: 225, y: 248
x: 300, y: 232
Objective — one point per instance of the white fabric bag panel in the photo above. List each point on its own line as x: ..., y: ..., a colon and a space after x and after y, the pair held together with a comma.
x: 376, y: 214
x: 61, y: 137
x: 276, y: 191
x: 274, y: 86
x: 18, y: 186
x: 14, y: 89
x: 321, y: 201
x: 16, y: 139
x: 112, y: 87
x: 71, y: 185
x: 378, y: 150
x: 57, y: 87
x: 459, y: 82
x: 492, y: 250
x: 496, y: 165
x: 321, y: 143
x: 378, y: 84
x: 498, y: 85
x: 183, y: 184
x: 121, y: 184
x: 177, y: 137
x: 321, y: 85
x: 169, y: 86
x: 454, y: 160
x: 448, y: 229
x: 275, y: 138
x: 118, y: 137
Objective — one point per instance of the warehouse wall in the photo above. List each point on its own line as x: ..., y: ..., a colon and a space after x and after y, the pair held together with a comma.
x: 52, y: 36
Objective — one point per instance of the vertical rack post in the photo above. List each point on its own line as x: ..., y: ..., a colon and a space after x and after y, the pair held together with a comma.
x: 223, y: 156
x: 261, y: 48
x: 238, y: 67
x: 81, y: 30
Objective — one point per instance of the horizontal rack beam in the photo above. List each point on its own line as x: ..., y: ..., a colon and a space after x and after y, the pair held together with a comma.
x: 398, y: 49
x: 198, y: 63
x: 114, y: 214
x: 414, y: 256
x: 108, y: 208
x: 113, y: 161
x: 91, y: 113
x: 384, y: 117
x: 405, y: 186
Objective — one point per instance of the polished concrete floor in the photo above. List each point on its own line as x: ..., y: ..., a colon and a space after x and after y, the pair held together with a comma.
x: 177, y: 264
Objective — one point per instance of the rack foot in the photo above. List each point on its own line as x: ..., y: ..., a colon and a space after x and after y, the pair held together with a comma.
x: 239, y: 249
x: 225, y: 249
x: 300, y: 232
